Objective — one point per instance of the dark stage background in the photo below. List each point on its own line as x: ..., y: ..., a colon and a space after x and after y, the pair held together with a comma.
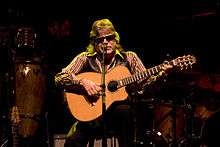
x: 155, y: 31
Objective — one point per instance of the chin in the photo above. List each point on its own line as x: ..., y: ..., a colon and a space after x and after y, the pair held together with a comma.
x: 110, y: 51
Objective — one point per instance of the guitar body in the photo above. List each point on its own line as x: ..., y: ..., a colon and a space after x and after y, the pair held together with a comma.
x: 85, y: 108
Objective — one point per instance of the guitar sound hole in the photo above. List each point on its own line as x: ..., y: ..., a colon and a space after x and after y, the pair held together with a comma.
x: 112, y: 86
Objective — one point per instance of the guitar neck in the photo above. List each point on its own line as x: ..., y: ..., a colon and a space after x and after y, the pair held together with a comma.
x: 145, y: 74
x: 140, y: 76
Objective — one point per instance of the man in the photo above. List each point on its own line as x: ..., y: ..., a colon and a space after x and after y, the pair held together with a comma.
x: 118, y: 117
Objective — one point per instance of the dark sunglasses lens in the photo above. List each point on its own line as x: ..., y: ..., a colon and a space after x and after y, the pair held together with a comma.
x: 99, y: 40
x: 108, y: 38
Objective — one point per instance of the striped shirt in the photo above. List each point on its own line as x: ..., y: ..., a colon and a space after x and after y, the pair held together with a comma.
x: 84, y: 63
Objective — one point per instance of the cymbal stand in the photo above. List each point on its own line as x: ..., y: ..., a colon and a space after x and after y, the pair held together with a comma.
x: 173, y: 116
x: 137, y: 141
x: 133, y: 111
x: 141, y: 136
x: 189, y: 119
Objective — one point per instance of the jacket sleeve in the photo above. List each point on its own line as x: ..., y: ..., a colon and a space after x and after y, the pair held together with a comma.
x: 68, y: 74
x: 134, y: 62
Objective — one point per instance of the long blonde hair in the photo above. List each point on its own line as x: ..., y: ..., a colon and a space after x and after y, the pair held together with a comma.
x: 98, y: 25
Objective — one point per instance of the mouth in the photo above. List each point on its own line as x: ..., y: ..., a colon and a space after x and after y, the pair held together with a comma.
x: 108, y: 48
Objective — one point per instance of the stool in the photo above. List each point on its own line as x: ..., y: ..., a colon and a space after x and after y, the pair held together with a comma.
x: 59, y: 140
x: 112, y: 141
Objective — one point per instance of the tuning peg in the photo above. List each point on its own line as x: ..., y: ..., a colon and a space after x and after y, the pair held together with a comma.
x: 181, y: 67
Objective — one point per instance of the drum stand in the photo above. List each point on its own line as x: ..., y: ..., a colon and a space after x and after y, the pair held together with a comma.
x: 143, y: 136
x: 188, y: 112
x: 187, y: 139
x: 190, y: 135
x: 174, y: 142
x: 188, y: 117
x: 133, y: 103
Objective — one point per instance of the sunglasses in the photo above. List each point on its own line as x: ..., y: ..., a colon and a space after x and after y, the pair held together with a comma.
x: 108, y: 38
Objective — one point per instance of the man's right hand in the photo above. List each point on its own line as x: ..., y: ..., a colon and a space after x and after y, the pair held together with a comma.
x: 91, y: 87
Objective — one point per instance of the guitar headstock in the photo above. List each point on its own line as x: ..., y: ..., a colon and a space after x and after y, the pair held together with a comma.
x: 184, y: 62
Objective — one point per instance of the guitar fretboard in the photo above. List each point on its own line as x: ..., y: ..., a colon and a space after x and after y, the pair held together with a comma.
x: 144, y: 74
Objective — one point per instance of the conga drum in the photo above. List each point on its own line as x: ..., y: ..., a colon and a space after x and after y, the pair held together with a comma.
x: 30, y: 89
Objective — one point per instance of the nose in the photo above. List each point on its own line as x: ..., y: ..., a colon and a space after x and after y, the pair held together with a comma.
x: 104, y: 44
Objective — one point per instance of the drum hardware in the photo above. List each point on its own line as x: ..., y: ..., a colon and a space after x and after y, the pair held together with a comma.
x: 35, y: 117
x: 174, y: 122
x: 27, y: 43
x: 145, y: 135
x: 3, y: 130
x: 180, y: 116
x: 4, y: 143
x: 26, y: 38
x: 194, y: 118
x: 25, y: 69
x: 189, y: 125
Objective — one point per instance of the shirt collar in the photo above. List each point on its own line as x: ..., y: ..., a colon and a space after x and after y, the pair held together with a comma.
x: 117, y: 52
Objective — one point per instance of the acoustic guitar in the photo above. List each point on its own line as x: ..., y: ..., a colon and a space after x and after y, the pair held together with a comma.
x: 87, y: 108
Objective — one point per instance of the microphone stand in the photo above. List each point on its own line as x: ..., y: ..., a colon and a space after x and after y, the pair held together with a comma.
x: 104, y: 139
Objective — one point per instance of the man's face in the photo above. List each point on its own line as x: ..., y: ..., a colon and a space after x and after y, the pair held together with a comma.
x: 106, y: 41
